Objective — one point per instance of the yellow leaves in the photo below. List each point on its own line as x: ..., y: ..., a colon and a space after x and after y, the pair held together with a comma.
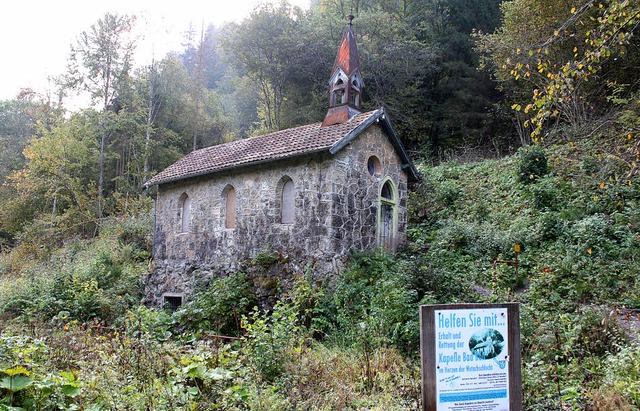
x: 556, y: 32
x: 629, y: 136
x: 518, y: 51
x: 590, y: 251
x: 573, y: 10
x: 602, y: 185
x: 595, y: 198
x: 16, y: 370
x: 516, y: 107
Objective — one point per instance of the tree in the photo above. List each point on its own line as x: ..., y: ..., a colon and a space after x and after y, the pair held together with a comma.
x: 50, y: 196
x: 100, y: 63
x: 265, y: 47
x: 21, y: 119
x: 565, y: 60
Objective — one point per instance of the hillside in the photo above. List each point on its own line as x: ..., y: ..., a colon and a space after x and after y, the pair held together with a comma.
x: 480, y: 78
x: 74, y: 336
x: 572, y: 206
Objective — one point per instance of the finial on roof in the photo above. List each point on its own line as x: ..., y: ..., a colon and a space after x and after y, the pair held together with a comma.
x: 350, y: 17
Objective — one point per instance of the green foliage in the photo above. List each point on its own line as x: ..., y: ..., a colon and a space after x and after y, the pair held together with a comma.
x: 265, y: 259
x: 26, y: 384
x: 532, y: 164
x: 219, y: 306
x: 621, y: 374
x: 99, y: 280
x: 271, y: 338
x: 372, y: 306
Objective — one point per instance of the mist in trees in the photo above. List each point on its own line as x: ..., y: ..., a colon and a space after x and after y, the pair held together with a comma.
x: 421, y: 60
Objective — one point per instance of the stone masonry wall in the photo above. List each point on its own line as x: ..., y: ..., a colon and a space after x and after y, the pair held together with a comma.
x: 336, y: 211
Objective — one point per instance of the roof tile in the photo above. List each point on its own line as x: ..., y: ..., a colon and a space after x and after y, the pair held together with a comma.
x: 269, y: 147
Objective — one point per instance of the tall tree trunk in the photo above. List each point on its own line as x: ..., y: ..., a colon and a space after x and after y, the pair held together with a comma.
x: 199, y: 80
x: 103, y: 140
x: 101, y: 176
x: 150, y: 108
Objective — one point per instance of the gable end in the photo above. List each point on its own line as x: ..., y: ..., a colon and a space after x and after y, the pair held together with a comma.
x: 380, y: 116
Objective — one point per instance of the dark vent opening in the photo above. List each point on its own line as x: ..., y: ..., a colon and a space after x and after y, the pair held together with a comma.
x: 172, y: 302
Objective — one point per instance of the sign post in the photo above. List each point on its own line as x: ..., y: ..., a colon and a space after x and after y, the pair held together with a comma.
x: 471, y: 357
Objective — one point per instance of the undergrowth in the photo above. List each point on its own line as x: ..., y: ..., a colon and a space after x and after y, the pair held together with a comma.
x: 74, y: 335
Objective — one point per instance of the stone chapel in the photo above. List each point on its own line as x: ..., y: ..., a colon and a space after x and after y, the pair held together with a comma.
x: 311, y: 193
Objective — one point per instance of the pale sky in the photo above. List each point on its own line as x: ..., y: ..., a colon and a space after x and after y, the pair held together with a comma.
x: 35, y: 35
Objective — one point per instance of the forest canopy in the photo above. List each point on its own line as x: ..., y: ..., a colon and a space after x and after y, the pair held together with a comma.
x: 456, y: 76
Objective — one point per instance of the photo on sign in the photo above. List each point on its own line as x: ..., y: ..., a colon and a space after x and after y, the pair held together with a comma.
x: 486, y: 344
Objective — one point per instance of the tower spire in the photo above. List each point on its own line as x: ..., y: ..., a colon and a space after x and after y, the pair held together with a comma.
x: 345, y: 84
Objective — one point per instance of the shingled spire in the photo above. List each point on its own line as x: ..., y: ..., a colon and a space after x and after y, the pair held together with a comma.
x: 345, y: 84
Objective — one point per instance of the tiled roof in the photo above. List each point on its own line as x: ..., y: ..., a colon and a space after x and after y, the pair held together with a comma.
x: 269, y: 147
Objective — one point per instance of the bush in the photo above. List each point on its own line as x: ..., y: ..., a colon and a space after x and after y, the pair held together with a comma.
x: 532, y: 164
x: 372, y: 306
x: 622, y: 374
x: 98, y: 280
x: 219, y: 306
x: 271, y: 338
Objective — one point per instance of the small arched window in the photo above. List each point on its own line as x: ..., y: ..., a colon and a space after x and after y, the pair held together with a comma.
x: 338, y: 94
x: 185, y: 213
x: 288, y: 203
x: 230, y: 208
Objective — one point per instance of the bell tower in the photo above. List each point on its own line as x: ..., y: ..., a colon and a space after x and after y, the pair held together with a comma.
x: 345, y: 85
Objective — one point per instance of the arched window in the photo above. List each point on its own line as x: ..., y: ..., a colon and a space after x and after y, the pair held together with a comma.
x: 185, y: 213
x: 354, y: 96
x: 230, y: 207
x: 387, y: 217
x: 338, y: 94
x: 288, y: 203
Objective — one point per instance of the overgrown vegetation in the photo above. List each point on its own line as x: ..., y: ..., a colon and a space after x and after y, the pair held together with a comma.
x: 74, y: 254
x: 75, y: 336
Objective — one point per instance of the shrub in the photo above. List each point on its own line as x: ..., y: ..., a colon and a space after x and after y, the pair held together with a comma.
x: 372, y: 306
x: 219, y: 306
x: 532, y: 164
x: 271, y: 338
x: 622, y: 373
